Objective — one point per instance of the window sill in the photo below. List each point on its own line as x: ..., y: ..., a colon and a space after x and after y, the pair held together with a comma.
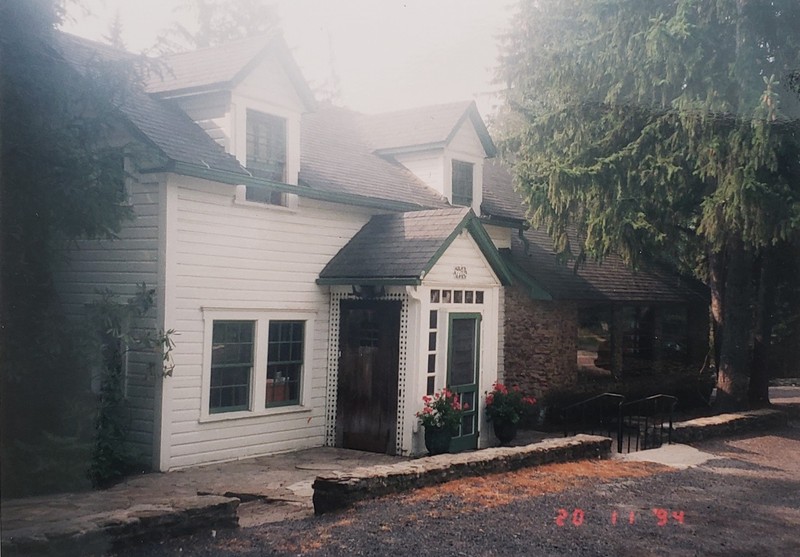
x: 241, y: 199
x: 253, y: 414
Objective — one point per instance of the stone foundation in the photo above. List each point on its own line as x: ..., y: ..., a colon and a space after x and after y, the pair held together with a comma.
x: 338, y: 490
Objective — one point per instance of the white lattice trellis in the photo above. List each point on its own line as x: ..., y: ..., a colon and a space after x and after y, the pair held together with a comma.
x: 333, y: 365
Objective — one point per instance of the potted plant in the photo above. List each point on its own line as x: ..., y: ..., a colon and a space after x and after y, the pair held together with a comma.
x: 505, y: 408
x: 441, y: 416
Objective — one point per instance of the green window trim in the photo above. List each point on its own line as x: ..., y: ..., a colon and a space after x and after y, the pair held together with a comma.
x: 467, y: 392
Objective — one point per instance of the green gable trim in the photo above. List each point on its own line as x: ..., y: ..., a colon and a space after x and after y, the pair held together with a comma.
x: 360, y: 281
x: 233, y: 178
x: 485, y: 244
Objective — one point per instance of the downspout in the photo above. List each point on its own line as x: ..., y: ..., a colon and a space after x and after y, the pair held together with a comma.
x: 525, y: 242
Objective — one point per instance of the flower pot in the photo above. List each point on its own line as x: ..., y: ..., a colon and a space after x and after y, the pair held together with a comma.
x: 505, y: 431
x: 437, y: 440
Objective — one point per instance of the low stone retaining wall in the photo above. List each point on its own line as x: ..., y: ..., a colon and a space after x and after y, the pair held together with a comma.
x: 104, y: 531
x: 338, y: 490
x: 727, y: 424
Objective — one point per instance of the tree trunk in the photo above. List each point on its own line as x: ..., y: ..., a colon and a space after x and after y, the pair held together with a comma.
x: 733, y: 377
x: 759, y: 378
x: 716, y: 283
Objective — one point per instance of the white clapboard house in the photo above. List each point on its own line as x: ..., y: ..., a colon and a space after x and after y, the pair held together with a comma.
x: 322, y: 269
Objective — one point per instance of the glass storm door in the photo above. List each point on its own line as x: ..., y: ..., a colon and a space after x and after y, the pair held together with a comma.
x: 462, y: 374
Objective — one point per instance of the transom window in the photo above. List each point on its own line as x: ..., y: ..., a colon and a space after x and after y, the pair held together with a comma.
x: 462, y: 183
x: 231, y: 365
x: 284, y: 362
x: 266, y: 146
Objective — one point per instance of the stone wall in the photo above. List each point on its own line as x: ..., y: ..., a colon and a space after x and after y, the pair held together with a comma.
x: 540, y: 342
x: 339, y: 490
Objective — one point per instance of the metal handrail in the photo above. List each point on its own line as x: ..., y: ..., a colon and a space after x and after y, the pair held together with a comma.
x: 594, y: 417
x: 643, y: 419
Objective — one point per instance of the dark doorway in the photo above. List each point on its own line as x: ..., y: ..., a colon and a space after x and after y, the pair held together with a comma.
x: 369, y: 355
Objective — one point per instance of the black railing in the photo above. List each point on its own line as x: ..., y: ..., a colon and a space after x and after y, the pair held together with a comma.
x: 646, y: 423
x: 601, y: 414
x: 638, y: 425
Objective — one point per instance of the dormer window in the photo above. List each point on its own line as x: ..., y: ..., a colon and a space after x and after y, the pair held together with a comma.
x: 462, y: 183
x: 266, y: 146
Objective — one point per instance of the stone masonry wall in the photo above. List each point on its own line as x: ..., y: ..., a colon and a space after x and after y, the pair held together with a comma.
x: 540, y: 342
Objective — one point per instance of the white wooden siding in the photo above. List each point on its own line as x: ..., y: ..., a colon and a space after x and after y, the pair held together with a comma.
x: 228, y: 256
x: 500, y: 235
x: 211, y: 111
x: 466, y: 141
x: 428, y: 166
x: 120, y: 265
x: 463, y: 252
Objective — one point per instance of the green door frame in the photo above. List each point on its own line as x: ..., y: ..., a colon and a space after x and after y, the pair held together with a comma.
x: 467, y: 436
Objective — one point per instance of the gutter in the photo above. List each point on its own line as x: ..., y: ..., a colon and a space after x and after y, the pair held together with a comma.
x: 388, y: 281
x: 235, y: 179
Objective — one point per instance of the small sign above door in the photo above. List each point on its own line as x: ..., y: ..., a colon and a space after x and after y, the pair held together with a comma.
x: 460, y: 272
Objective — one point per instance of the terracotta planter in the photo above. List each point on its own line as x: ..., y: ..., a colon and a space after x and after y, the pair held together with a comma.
x: 437, y: 440
x: 505, y: 431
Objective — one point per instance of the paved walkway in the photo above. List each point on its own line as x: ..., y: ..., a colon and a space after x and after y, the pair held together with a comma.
x: 269, y: 488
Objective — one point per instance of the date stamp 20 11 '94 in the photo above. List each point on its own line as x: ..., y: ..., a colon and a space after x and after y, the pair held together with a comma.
x: 660, y: 517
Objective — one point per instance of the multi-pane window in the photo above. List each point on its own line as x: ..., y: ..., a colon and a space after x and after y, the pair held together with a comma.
x: 462, y: 183
x: 256, y: 363
x: 284, y: 362
x: 266, y: 146
x: 231, y: 365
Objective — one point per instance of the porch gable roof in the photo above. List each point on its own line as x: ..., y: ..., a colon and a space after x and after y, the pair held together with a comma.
x: 401, y: 248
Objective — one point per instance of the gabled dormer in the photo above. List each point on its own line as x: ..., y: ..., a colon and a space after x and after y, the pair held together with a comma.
x: 249, y: 96
x: 444, y: 146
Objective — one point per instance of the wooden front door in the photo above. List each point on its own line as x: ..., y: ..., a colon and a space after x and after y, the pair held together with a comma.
x: 463, y: 357
x: 369, y: 356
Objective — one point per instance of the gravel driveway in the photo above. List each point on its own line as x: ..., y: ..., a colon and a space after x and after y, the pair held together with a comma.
x: 744, y: 501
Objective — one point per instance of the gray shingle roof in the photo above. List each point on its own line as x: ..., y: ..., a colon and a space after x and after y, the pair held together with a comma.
x: 608, y: 281
x: 163, y: 125
x: 395, y: 247
x: 499, y: 197
x: 425, y: 126
x: 206, y: 67
x: 334, y: 156
x: 223, y: 66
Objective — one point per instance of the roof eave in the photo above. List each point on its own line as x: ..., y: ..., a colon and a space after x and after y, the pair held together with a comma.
x: 484, y: 242
x: 534, y: 290
x: 373, y: 281
x: 480, y: 128
x: 405, y: 149
x: 233, y: 178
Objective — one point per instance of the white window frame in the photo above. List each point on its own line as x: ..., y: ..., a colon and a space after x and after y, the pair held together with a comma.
x: 258, y: 380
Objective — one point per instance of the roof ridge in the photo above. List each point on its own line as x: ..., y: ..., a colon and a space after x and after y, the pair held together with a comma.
x: 266, y: 37
x: 450, y: 104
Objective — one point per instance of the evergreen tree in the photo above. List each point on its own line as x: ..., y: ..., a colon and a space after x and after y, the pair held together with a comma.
x: 59, y: 181
x: 664, y: 129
